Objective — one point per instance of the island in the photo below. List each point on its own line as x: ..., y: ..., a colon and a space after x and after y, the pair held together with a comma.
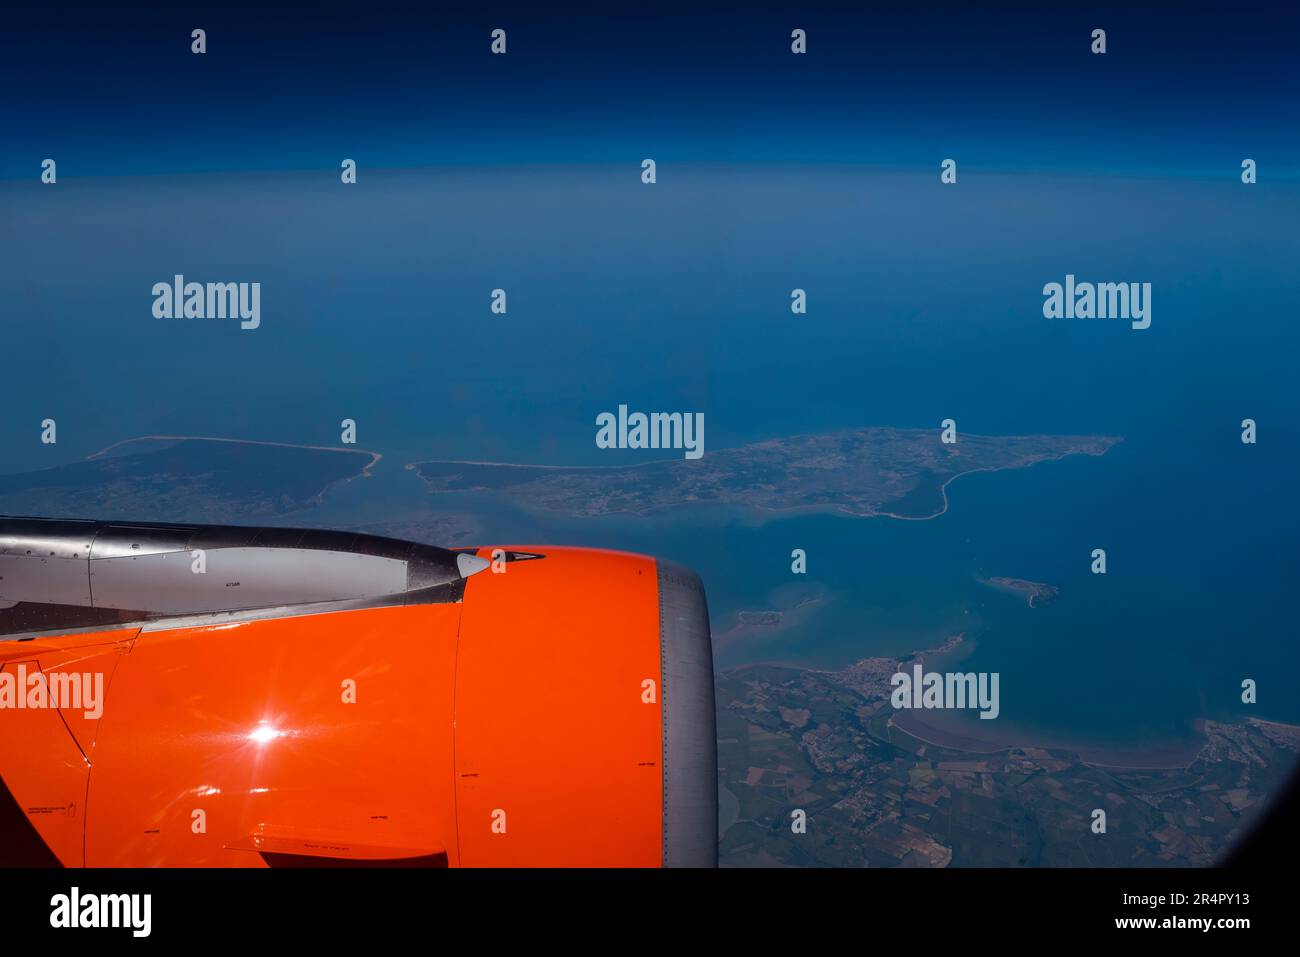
x: 902, y: 473
x: 185, y: 479
x: 1035, y: 593
x: 750, y: 623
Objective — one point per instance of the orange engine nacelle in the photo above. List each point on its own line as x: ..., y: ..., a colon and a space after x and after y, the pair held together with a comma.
x: 223, y: 697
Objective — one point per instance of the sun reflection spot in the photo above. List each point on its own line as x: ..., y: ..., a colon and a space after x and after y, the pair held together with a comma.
x: 264, y: 733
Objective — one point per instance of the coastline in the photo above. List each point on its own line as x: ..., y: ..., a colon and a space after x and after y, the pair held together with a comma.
x: 762, y: 512
x: 943, y: 487
x: 365, y: 471
x: 977, y: 739
x: 318, y: 486
x: 1155, y: 756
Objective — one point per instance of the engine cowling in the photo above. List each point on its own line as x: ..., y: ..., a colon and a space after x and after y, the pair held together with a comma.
x: 350, y: 700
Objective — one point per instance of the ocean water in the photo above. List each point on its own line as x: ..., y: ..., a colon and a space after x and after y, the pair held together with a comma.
x: 924, y: 303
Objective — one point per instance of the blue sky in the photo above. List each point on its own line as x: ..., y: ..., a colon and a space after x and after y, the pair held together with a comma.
x: 1189, y: 90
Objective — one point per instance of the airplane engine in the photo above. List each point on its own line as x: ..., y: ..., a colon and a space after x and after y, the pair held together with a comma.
x: 217, y: 696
